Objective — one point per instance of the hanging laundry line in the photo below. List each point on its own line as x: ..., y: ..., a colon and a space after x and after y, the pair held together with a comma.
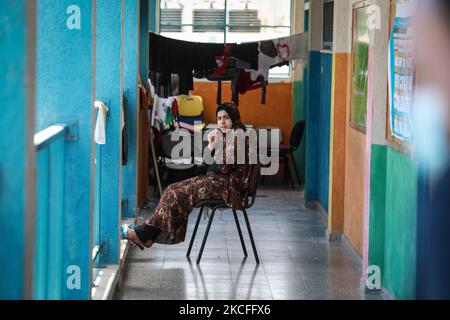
x: 174, y: 63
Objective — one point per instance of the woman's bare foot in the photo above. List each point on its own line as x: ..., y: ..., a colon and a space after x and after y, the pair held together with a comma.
x: 132, y: 236
x: 148, y: 244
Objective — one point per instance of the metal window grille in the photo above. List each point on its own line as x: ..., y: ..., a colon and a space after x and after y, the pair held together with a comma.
x: 244, y: 21
x: 171, y: 20
x: 328, y: 20
x: 208, y: 20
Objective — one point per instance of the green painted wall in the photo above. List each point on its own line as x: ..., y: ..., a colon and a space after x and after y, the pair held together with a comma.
x: 377, y: 206
x: 297, y: 110
x: 393, y: 220
x: 401, y: 214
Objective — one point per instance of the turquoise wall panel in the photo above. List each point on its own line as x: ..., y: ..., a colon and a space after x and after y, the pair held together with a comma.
x: 109, y: 77
x: 378, y: 177
x: 48, y: 260
x: 153, y: 13
x: 399, y: 276
x: 64, y: 95
x: 312, y: 127
x: 298, y: 115
x: 14, y: 93
x: 131, y: 70
x: 305, y: 103
x: 144, y: 39
x: 318, y: 128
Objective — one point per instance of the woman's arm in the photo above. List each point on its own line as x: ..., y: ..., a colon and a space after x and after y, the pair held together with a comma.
x: 235, y: 153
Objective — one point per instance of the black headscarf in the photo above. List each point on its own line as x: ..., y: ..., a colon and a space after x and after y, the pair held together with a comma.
x: 233, y: 113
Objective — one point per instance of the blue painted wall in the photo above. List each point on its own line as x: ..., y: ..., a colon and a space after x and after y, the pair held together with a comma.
x: 144, y: 38
x: 301, y: 93
x: 14, y: 92
x: 153, y: 10
x: 305, y: 99
x: 318, y: 128
x: 312, y: 127
x: 49, y: 223
x: 298, y: 114
x: 64, y: 95
x: 109, y: 77
x: 131, y: 70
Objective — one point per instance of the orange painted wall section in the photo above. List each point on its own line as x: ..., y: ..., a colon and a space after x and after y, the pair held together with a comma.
x: 354, y: 188
x: 341, y: 99
x: 276, y: 112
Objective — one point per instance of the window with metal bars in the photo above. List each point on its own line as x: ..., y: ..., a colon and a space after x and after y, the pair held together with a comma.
x: 227, y: 21
x: 171, y: 20
x: 244, y: 21
x: 208, y: 20
x: 328, y: 21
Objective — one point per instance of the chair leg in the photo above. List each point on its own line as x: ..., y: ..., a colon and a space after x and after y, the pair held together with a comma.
x: 194, y: 232
x: 291, y: 181
x: 296, y: 170
x: 286, y: 169
x: 206, y: 235
x: 240, y: 233
x: 251, y: 236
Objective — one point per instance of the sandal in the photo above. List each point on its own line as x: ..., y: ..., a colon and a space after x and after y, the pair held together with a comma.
x: 124, y: 233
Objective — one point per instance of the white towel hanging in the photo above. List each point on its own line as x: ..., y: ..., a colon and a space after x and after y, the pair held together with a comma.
x: 100, y: 126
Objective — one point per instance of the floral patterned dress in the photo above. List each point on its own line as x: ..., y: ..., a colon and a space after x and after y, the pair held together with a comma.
x: 230, y: 184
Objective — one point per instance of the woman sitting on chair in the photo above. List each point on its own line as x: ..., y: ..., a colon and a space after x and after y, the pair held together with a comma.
x: 223, y: 181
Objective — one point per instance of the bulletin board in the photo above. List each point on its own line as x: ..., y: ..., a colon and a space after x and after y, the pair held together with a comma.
x: 401, y: 73
x: 360, y: 65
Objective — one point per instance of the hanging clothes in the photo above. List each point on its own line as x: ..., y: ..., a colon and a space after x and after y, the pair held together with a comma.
x: 265, y: 64
x: 163, y: 109
x: 251, y: 79
x: 239, y: 64
x: 175, y: 109
x: 271, y: 53
x: 294, y: 47
x: 222, y: 62
x: 174, y: 63
x: 100, y: 126
x: 170, y: 56
x: 144, y: 101
x: 268, y: 48
x: 245, y: 83
x: 247, y: 52
x: 169, y: 116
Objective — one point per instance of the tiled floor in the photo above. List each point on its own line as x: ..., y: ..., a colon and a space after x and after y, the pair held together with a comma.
x: 297, y: 262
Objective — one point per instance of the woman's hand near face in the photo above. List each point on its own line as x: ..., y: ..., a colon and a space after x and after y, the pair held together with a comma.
x: 212, y: 139
x: 212, y: 136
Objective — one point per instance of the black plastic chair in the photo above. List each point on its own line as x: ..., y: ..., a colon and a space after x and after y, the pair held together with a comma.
x: 218, y: 204
x: 181, y: 168
x: 287, y: 151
